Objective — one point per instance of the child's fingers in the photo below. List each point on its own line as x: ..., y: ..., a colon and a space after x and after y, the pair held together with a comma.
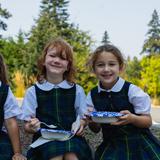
x: 18, y: 156
x: 125, y: 112
x: 34, y: 123
x: 118, y: 123
x: 90, y: 109
x: 80, y: 131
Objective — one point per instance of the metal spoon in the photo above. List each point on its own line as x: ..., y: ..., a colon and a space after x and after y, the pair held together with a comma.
x: 50, y: 126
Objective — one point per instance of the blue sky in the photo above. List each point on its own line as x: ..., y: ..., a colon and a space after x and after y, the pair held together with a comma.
x: 125, y: 20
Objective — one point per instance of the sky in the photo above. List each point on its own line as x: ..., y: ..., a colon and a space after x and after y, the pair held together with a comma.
x: 126, y: 21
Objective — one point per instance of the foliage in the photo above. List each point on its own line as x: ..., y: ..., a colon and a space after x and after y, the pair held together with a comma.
x: 133, y: 71
x: 19, y: 84
x: 151, y: 75
x: 152, y: 43
x: 53, y: 23
x: 105, y: 38
x: 84, y: 76
x: 14, y: 53
x: 4, y: 14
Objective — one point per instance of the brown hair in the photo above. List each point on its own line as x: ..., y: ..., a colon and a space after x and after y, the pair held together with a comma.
x: 106, y: 48
x: 3, y: 71
x: 61, y: 48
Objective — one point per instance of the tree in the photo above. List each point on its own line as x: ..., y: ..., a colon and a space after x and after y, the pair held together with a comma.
x: 133, y: 71
x: 4, y: 14
x: 152, y: 43
x: 53, y: 23
x: 151, y: 75
x: 105, y: 39
x: 14, y: 53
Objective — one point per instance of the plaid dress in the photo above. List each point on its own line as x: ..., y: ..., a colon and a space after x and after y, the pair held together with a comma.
x: 6, y: 151
x: 57, y: 107
x: 123, y: 142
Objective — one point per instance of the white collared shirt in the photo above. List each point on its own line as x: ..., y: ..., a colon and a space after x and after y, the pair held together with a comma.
x: 29, y: 104
x: 11, y: 108
x: 137, y: 97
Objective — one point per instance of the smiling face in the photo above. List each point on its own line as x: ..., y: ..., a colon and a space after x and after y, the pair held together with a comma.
x: 107, y: 69
x: 55, y: 64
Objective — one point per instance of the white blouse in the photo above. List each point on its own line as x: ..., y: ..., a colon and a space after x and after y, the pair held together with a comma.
x: 137, y: 97
x: 11, y: 108
x: 29, y: 104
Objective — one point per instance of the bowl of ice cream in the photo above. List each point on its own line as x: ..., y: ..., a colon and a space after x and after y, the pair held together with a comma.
x: 105, y: 117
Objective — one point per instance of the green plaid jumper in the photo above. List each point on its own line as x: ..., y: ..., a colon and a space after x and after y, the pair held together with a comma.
x: 57, y: 107
x: 6, y: 151
x: 123, y: 142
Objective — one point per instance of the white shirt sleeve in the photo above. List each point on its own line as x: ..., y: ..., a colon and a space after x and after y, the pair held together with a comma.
x: 89, y: 101
x: 80, y: 103
x: 139, y: 99
x: 11, y: 108
x: 29, y: 104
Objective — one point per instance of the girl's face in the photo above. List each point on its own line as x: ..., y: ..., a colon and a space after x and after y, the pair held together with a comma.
x: 55, y: 64
x: 107, y: 69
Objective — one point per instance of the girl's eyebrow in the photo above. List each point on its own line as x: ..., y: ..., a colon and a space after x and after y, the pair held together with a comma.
x: 113, y: 61
x: 105, y: 61
x: 52, y: 52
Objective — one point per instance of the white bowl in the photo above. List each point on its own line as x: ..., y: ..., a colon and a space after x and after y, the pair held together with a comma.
x: 105, y: 117
x: 55, y: 134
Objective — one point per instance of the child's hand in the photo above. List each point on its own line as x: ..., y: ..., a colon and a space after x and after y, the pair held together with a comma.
x: 18, y: 156
x: 126, y: 119
x: 80, y: 131
x: 34, y: 124
x: 88, y: 118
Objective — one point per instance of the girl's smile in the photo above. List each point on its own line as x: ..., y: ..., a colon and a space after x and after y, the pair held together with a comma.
x: 107, y: 69
x: 55, y: 64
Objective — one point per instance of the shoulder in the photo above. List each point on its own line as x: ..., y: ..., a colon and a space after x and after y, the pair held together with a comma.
x: 137, y: 91
x: 79, y: 88
x: 134, y: 88
x: 31, y: 88
x: 30, y: 91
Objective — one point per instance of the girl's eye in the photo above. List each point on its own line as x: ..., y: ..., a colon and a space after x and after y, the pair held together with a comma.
x: 63, y: 58
x: 112, y: 64
x: 51, y: 55
x: 100, y: 65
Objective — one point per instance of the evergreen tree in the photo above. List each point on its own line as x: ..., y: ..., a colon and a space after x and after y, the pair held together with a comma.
x: 133, y: 70
x: 57, y: 10
x: 105, y: 39
x: 4, y: 14
x: 152, y: 43
x: 53, y: 23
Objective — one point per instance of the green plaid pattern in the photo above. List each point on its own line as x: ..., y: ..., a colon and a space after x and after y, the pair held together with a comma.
x: 57, y: 107
x: 77, y: 145
x: 133, y: 147
x: 3, y: 96
x: 123, y: 142
x: 6, y: 151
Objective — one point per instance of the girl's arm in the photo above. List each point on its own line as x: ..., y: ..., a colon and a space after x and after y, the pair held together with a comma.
x: 32, y: 125
x: 94, y: 127
x: 141, y: 121
x: 13, y: 132
x: 142, y: 104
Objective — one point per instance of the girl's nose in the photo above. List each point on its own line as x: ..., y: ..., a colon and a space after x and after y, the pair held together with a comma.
x: 56, y: 59
x: 106, y: 68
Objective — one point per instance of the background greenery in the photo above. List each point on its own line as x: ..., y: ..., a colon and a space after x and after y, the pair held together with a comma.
x: 21, y: 54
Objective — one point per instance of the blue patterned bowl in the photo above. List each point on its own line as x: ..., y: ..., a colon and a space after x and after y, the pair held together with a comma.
x: 55, y: 134
x: 105, y: 117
